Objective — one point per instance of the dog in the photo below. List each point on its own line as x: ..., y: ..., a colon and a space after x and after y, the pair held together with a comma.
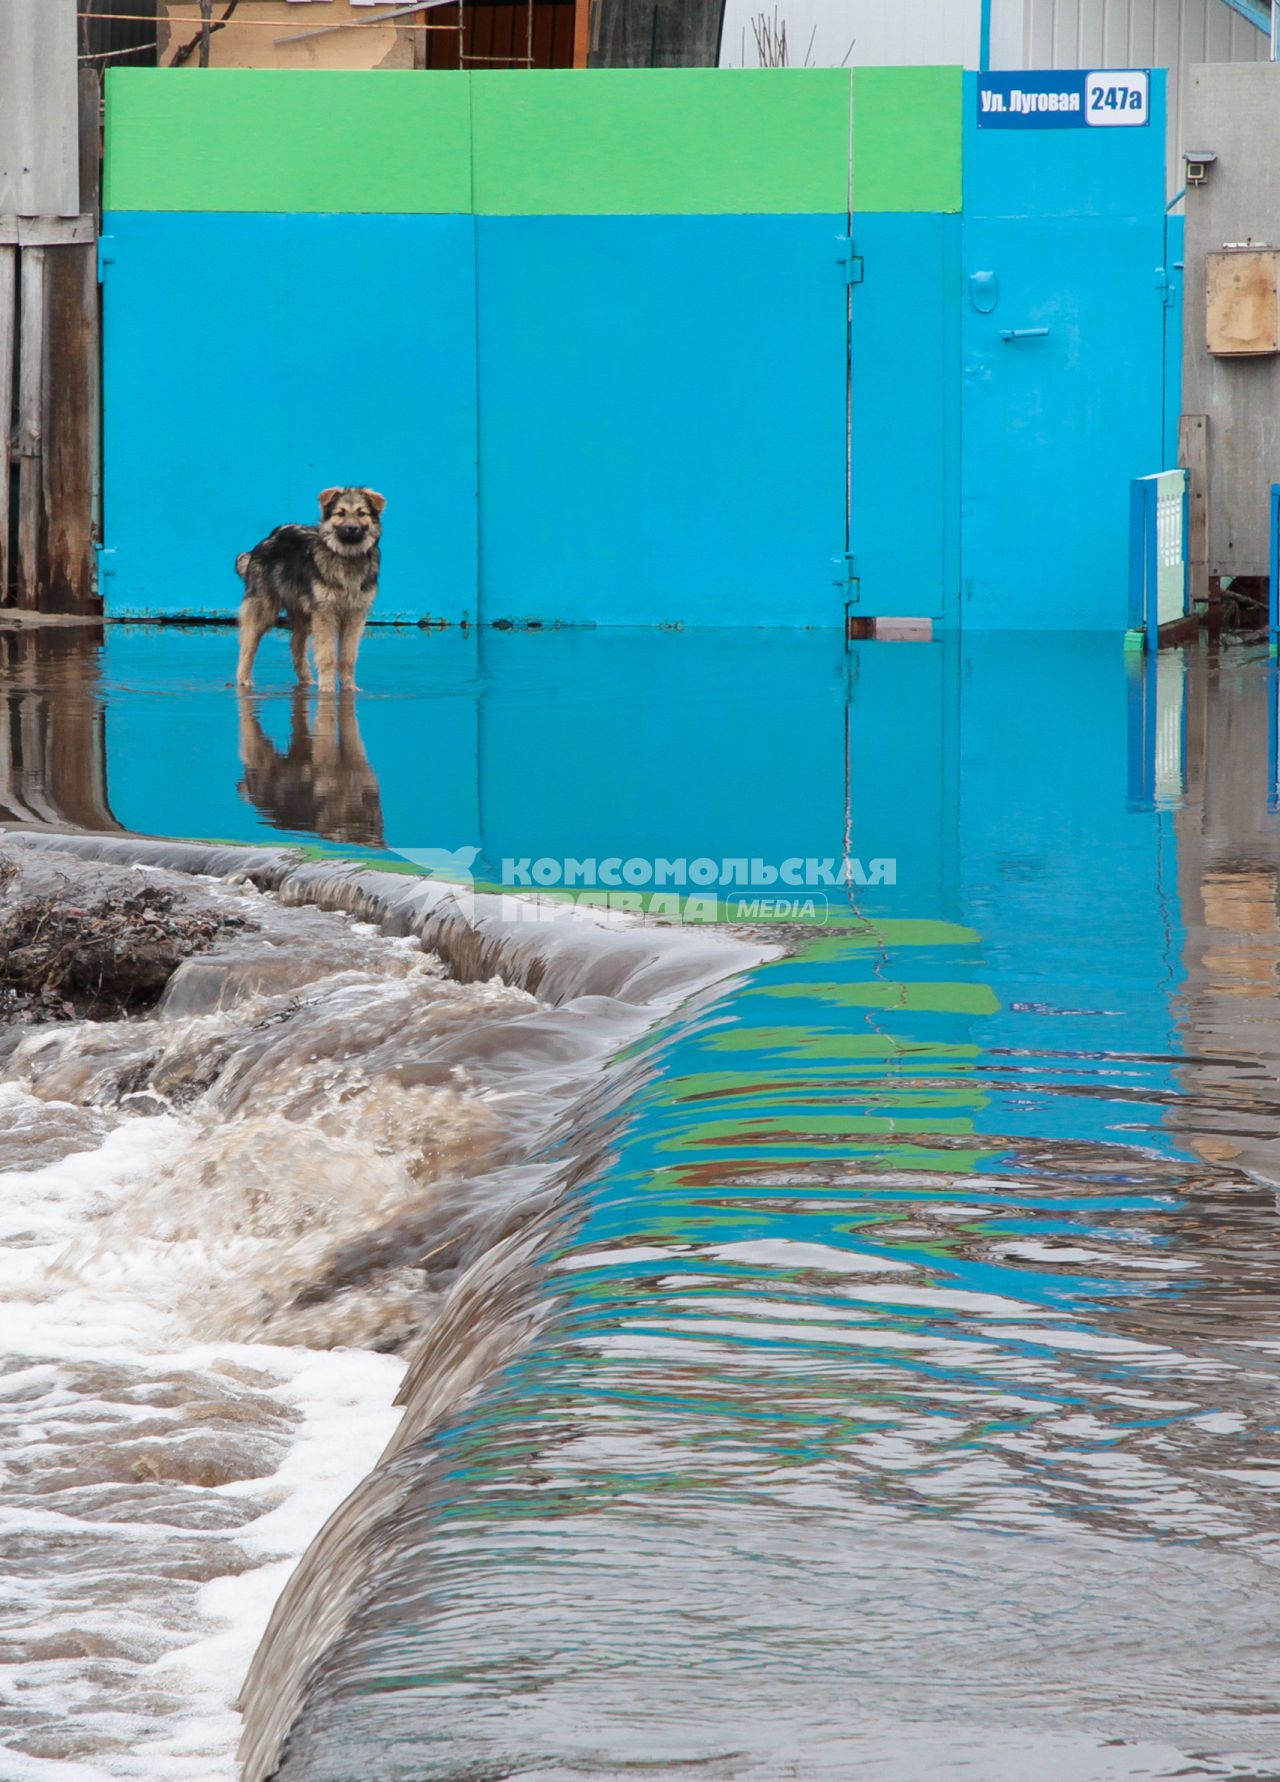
x: 323, y: 579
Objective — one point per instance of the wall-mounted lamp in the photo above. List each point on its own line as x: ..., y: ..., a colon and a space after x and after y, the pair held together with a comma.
x: 1198, y: 161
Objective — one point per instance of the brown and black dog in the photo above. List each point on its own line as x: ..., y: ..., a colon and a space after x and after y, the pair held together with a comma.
x: 322, y: 579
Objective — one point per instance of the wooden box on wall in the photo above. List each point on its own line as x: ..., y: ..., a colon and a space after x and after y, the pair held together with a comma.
x: 1242, y: 302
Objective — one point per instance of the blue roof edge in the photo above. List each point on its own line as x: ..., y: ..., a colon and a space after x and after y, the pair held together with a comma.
x: 1259, y: 16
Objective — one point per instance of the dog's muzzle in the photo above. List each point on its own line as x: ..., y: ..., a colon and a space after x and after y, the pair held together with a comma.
x: 350, y: 534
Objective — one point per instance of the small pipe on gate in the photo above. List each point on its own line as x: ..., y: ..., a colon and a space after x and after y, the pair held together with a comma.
x: 1273, y: 590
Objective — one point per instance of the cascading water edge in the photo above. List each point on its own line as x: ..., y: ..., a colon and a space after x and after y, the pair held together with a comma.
x: 336, y: 1142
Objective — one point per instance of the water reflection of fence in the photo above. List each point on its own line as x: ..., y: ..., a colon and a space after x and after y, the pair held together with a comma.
x: 52, y: 767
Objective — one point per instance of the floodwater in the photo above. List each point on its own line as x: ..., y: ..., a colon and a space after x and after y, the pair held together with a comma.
x: 856, y: 1353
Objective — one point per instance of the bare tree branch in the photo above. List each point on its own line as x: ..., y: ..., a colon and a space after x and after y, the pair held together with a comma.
x: 185, y: 52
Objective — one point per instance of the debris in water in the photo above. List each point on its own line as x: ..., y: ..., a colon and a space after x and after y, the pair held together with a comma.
x: 67, y: 957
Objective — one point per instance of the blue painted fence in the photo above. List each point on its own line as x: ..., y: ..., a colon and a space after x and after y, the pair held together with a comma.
x: 1063, y: 400
x: 253, y: 360
x: 656, y: 450
x: 662, y: 420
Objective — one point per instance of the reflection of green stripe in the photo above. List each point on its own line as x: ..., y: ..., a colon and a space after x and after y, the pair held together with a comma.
x: 878, y: 993
x: 611, y: 142
x: 802, y: 1125
x: 890, y: 932
x: 804, y: 1042
x: 885, y: 1060
x: 884, y: 1096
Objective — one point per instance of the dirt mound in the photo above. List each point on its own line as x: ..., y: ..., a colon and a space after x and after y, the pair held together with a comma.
x: 68, y: 957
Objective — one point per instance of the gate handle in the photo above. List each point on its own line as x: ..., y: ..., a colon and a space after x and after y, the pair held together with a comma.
x: 1023, y: 333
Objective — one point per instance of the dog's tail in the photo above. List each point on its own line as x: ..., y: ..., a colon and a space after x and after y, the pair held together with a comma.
x: 242, y: 565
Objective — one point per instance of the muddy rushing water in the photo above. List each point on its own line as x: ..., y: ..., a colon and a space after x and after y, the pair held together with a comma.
x: 221, y: 1223
x: 858, y: 1358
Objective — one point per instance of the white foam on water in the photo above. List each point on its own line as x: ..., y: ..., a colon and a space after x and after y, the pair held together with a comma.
x: 173, y: 1719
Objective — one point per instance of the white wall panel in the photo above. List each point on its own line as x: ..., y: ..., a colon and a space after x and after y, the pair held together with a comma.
x: 39, y: 115
x: 1092, y: 31
x: 866, y: 33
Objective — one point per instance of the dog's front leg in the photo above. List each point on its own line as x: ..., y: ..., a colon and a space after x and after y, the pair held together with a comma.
x: 324, y: 647
x: 349, y: 647
x: 299, y: 637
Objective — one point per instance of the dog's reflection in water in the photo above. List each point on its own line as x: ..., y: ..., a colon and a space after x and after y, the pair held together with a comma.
x: 322, y: 782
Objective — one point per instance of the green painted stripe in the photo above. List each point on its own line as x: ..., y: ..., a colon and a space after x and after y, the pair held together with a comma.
x: 394, y: 141
x: 611, y: 142
x: 907, y: 137
x: 661, y: 142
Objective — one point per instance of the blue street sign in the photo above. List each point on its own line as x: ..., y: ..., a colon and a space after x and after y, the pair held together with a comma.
x: 1065, y: 99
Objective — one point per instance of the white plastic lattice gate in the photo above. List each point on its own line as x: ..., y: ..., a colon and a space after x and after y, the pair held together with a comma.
x: 1157, y: 553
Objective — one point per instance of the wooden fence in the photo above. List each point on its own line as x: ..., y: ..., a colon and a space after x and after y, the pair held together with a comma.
x: 49, y: 401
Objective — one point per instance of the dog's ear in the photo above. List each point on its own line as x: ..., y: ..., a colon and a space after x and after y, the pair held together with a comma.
x: 376, y: 502
x: 327, y: 497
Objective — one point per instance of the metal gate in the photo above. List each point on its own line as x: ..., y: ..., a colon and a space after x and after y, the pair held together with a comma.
x: 1063, y: 363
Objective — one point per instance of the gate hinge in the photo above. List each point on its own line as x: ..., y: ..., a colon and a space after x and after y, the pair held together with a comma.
x: 1167, y: 286
x: 102, y: 553
x: 846, y: 577
x: 106, y: 256
x: 851, y: 262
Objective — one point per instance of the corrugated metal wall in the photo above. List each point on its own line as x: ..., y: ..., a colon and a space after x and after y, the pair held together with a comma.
x: 1172, y: 34
x: 1136, y: 33
x: 39, y: 139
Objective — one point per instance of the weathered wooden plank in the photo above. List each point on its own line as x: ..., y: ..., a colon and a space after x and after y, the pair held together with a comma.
x: 581, y: 33
x: 69, y: 428
x: 44, y: 231
x: 1193, y: 455
x: 91, y: 198
x: 67, y: 463
x: 8, y: 345
x: 31, y: 358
